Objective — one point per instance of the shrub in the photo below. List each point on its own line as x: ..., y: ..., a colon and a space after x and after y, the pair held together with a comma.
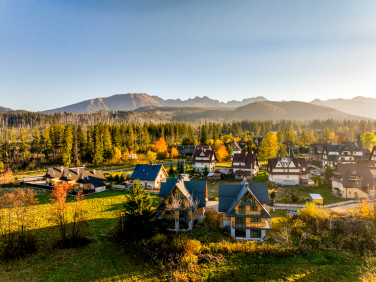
x: 16, y: 219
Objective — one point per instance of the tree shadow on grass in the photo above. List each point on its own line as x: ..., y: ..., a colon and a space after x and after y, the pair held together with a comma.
x: 248, y: 267
x: 102, y: 259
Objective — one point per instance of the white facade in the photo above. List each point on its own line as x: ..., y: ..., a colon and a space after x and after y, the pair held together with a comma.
x: 200, y: 167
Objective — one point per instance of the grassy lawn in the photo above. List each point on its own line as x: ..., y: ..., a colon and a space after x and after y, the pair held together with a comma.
x: 262, y: 176
x: 103, y: 260
x: 303, y: 192
x: 100, y: 260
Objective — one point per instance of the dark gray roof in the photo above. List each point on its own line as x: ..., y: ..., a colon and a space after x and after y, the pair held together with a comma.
x: 146, y: 172
x: 197, y: 189
x: 229, y: 192
x: 166, y: 187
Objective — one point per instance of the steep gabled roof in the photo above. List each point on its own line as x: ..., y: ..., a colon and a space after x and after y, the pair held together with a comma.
x: 78, y: 174
x: 231, y: 194
x: 147, y: 172
x: 204, y: 151
x: 355, y: 175
x: 197, y: 190
x: 249, y: 160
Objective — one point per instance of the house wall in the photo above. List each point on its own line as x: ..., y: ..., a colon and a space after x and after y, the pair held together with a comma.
x: 284, y: 179
x: 201, y: 166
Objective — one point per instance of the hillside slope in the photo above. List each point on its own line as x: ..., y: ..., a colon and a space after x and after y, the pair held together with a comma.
x: 262, y: 111
x: 360, y: 106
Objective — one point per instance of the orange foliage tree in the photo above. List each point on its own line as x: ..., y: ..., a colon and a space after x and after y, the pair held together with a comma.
x: 60, y: 208
x: 16, y: 221
x: 160, y: 145
x: 16, y: 211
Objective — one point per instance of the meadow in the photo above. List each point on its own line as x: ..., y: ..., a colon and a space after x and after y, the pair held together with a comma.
x: 105, y: 260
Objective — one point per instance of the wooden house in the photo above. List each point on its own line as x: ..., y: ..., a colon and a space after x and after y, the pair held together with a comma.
x: 204, y: 156
x: 245, y: 165
x: 288, y: 171
x: 182, y: 202
x: 245, y: 211
x: 150, y: 174
x: 354, y: 181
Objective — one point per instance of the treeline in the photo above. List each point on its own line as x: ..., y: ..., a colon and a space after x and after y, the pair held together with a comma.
x: 73, y: 139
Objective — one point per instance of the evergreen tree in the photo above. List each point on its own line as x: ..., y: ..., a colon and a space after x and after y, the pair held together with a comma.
x: 67, y: 145
x: 137, y: 221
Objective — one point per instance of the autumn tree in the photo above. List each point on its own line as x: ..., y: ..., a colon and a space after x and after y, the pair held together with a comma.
x: 160, y: 145
x: 60, y: 208
x: 17, y: 217
x: 174, y: 153
x: 269, y: 146
x: 368, y: 140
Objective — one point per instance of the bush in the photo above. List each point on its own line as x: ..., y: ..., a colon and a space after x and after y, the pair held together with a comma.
x: 17, y: 246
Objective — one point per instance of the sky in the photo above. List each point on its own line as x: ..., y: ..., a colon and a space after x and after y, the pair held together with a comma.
x: 54, y: 53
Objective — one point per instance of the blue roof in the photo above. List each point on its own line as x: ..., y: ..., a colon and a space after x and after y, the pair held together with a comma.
x: 196, y: 188
x: 229, y: 192
x: 146, y: 172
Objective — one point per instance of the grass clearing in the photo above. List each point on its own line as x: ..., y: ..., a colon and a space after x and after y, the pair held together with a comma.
x: 303, y: 193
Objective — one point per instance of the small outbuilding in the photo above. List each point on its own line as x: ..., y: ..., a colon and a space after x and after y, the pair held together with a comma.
x: 316, y: 198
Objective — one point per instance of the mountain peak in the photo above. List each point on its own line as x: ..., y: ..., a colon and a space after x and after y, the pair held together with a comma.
x: 132, y: 101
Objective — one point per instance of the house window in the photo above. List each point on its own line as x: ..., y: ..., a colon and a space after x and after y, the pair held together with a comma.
x: 253, y: 208
x: 255, y: 219
x: 241, y: 209
x: 248, y: 198
x: 240, y: 221
x: 240, y: 233
x: 255, y: 233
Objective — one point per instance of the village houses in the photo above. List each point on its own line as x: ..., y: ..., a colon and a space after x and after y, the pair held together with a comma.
x: 78, y: 177
x: 204, y: 156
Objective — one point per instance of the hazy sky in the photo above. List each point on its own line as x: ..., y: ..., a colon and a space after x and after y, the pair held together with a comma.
x: 55, y: 53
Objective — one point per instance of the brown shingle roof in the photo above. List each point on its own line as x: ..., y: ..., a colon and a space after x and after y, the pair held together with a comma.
x: 354, y: 175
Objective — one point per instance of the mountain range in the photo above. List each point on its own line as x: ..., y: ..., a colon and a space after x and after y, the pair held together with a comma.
x: 261, y: 110
x: 360, y: 106
x: 133, y: 101
x: 205, y: 108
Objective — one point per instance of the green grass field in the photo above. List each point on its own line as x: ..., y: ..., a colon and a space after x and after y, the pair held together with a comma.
x: 104, y: 260
x: 303, y: 192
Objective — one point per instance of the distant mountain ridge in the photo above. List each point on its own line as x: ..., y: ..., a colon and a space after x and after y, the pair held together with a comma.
x: 3, y: 109
x: 133, y: 101
x: 360, y: 106
x: 261, y: 110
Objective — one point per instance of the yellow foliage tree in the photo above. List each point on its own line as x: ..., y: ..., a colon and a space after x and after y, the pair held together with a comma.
x: 221, y: 153
x: 174, y: 153
x: 117, y: 155
x: 160, y: 145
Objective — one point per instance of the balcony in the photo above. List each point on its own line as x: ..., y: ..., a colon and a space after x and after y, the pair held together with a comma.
x: 261, y: 225
x: 248, y: 213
